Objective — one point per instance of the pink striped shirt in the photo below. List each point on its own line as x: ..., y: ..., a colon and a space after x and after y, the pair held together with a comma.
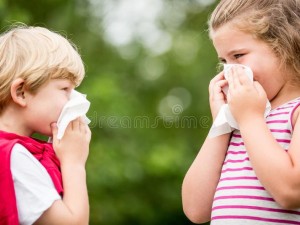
x: 240, y: 198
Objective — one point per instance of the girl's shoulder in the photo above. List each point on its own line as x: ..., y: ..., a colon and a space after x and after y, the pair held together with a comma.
x: 295, y: 110
x: 287, y: 111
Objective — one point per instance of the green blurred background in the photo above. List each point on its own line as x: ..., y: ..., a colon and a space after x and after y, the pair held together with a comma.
x: 148, y: 65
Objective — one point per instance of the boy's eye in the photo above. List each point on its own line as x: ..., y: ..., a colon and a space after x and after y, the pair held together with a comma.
x: 222, y: 61
x: 65, y: 89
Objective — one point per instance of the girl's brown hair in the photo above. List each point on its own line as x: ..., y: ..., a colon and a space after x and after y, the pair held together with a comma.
x: 276, y: 22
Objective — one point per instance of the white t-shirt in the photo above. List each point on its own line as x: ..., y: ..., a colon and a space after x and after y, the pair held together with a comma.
x: 34, y: 189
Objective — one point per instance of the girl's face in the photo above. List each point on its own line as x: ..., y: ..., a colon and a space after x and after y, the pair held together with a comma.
x: 234, y: 46
x: 44, y: 107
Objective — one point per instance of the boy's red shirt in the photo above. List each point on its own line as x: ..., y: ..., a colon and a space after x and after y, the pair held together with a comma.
x: 42, y: 151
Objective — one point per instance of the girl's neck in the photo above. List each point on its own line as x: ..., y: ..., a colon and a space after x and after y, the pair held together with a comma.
x: 287, y: 93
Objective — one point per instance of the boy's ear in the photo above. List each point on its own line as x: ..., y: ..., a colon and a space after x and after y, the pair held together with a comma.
x: 17, y: 91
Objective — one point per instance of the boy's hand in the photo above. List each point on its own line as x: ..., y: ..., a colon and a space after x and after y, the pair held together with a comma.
x: 73, y: 148
x: 217, y: 97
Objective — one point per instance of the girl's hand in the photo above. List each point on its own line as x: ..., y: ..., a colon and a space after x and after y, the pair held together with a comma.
x: 217, y: 97
x: 73, y: 148
x: 245, y: 99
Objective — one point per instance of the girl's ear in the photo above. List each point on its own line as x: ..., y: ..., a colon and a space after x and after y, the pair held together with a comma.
x: 17, y: 92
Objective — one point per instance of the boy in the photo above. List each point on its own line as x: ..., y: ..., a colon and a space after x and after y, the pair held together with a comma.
x: 41, y: 183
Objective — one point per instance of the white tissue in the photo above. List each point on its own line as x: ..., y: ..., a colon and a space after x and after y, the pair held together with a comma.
x: 227, y: 68
x: 77, y: 106
x: 225, y: 122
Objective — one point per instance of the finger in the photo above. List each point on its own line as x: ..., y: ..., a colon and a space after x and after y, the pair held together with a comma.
x: 221, y: 85
x: 88, y: 132
x: 230, y: 79
x: 76, y: 124
x: 82, y: 123
x: 214, y: 81
x: 228, y: 97
x: 82, y: 120
x: 259, y: 89
x: 243, y: 78
x: 217, y: 78
x: 85, y: 127
x: 236, y: 72
x: 218, y: 88
x: 54, y: 130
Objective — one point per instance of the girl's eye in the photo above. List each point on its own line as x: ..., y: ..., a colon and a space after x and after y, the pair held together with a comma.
x: 238, y: 55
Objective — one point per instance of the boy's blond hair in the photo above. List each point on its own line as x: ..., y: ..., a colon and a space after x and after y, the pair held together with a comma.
x: 276, y: 22
x: 36, y: 55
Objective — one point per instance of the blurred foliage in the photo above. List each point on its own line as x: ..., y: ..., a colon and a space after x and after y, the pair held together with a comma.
x: 149, y: 112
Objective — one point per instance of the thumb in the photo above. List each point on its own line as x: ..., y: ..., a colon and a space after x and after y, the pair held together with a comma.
x: 54, y: 132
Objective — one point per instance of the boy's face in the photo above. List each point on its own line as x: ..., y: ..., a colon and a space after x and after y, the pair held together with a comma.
x: 44, y: 107
x: 235, y: 46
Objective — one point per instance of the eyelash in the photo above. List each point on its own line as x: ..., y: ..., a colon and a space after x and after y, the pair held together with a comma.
x: 238, y: 55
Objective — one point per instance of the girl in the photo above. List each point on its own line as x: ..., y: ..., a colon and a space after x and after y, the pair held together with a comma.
x: 252, y: 175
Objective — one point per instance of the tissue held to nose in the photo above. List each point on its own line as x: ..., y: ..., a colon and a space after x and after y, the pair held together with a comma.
x: 225, y: 122
x: 76, y: 107
x: 228, y: 67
